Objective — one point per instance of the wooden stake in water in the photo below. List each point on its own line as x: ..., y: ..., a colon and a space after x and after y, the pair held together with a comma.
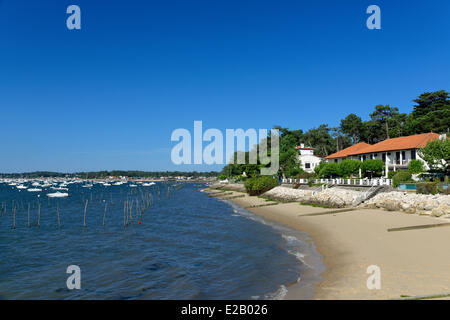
x: 28, y: 214
x: 104, y: 214
x: 57, y: 211
x: 39, y: 214
x: 124, y: 210
x: 130, y: 212
x: 85, y: 208
x: 14, y: 217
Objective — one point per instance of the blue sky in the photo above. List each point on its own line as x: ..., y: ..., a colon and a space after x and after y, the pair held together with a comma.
x: 108, y: 96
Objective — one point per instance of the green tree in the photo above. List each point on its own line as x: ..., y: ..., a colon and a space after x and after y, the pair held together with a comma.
x: 259, y: 185
x: 372, y: 132
x: 349, y: 167
x: 383, y: 115
x: 330, y: 170
x: 415, y: 166
x: 431, y: 113
x: 353, y: 127
x: 401, y: 176
x: 321, y: 139
x: 289, y: 162
x: 372, y: 167
x: 437, y: 155
x: 341, y: 141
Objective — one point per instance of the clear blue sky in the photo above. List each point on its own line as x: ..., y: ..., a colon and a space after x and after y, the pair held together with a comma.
x: 109, y: 95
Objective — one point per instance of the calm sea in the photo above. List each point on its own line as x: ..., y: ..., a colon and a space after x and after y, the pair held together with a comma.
x: 186, y: 246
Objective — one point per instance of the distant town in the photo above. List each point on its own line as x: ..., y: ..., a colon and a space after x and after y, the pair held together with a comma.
x: 119, y: 175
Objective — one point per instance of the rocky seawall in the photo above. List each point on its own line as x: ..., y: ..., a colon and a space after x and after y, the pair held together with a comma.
x: 435, y: 205
x: 334, y: 197
x: 228, y: 186
x: 338, y: 197
x: 284, y: 194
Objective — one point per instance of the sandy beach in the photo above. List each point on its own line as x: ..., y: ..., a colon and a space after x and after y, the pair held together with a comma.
x: 412, y: 262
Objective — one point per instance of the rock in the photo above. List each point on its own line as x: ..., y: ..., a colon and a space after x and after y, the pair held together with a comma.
x: 443, y: 209
x: 287, y: 194
x: 436, y: 205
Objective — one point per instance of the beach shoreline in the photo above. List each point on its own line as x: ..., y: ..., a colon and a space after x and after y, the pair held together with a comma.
x: 412, y: 263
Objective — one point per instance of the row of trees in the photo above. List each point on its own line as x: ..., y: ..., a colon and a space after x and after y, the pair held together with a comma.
x: 350, y: 168
x: 436, y: 155
x: 114, y: 173
x: 431, y: 112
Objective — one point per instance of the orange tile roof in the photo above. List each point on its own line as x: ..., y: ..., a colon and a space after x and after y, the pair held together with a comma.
x: 348, y: 151
x: 400, y: 143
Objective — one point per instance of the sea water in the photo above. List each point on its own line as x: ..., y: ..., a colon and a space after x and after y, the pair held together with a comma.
x: 186, y: 246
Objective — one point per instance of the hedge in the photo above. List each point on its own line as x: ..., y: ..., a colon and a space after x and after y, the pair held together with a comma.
x: 258, y: 185
x: 401, y: 176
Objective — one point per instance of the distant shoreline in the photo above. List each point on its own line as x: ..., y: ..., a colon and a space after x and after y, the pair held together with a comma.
x: 412, y: 263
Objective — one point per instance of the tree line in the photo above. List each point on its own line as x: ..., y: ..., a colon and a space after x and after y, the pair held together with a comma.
x: 431, y: 113
x: 114, y: 173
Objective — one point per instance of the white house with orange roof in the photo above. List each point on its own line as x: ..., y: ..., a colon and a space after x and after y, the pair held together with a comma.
x: 396, y: 153
x: 308, y: 160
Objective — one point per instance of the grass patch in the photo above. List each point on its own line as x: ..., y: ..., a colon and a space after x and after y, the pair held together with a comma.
x: 265, y: 198
x: 317, y: 205
x: 437, y: 296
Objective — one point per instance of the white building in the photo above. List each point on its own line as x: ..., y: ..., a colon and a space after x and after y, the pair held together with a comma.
x: 396, y: 153
x: 307, y: 158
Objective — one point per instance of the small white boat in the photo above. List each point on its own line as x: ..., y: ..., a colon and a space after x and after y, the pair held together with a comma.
x: 59, y: 188
x: 21, y: 187
x: 57, y: 195
x: 148, y: 184
x: 133, y: 186
x: 88, y: 186
x: 34, y: 190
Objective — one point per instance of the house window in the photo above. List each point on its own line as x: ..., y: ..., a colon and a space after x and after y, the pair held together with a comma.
x: 307, y: 165
x: 335, y: 160
x: 413, y: 154
x: 375, y: 155
x: 383, y: 157
x: 364, y: 157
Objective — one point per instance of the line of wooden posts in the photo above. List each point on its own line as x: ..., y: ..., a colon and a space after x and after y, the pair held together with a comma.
x: 136, y: 200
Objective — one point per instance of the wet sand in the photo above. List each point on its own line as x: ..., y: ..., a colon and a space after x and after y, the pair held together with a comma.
x: 412, y: 262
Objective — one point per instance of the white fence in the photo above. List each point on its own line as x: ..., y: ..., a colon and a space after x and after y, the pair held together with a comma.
x: 341, y: 181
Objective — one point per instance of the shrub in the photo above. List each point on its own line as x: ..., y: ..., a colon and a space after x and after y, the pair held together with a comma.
x: 372, y: 167
x: 401, y: 176
x: 293, y: 172
x: 319, y: 167
x: 415, y: 166
x: 349, y: 167
x: 427, y: 188
x: 222, y: 177
x: 437, y: 155
x: 305, y: 175
x: 442, y: 190
x: 258, y: 185
x: 330, y: 170
x: 391, y: 174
